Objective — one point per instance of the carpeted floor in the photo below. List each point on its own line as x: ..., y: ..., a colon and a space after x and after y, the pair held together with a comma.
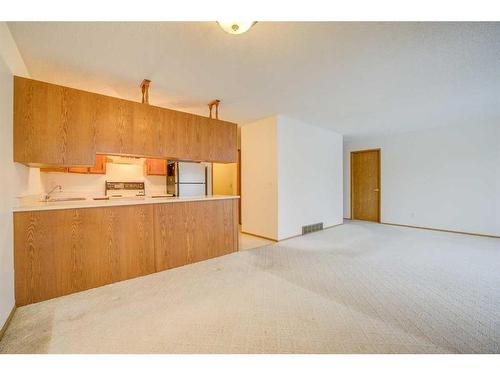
x: 355, y: 288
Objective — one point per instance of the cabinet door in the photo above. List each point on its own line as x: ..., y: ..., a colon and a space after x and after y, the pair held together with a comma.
x: 114, y: 120
x: 54, y: 169
x: 58, y: 252
x: 188, y: 232
x: 156, y: 167
x: 224, y: 141
x: 53, y: 124
x: 82, y: 170
x: 100, y: 165
x: 146, y: 122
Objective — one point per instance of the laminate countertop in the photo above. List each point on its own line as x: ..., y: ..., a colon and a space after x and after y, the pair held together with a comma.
x: 37, y: 205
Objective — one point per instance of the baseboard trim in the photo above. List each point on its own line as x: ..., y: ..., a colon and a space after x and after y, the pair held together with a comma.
x: 442, y: 230
x: 257, y: 235
x: 300, y: 235
x: 287, y: 238
x: 7, y: 322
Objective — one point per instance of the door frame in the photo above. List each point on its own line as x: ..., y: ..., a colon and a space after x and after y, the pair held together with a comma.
x: 238, y: 182
x: 379, y: 150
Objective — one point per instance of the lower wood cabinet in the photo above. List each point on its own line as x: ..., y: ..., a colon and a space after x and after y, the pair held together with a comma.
x: 189, y: 232
x: 58, y: 252
x: 65, y: 251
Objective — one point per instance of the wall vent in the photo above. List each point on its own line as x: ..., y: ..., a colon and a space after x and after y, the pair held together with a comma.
x: 312, y: 228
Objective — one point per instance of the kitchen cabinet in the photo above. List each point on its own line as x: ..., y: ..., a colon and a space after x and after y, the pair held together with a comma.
x: 155, y: 167
x: 190, y: 232
x: 54, y: 169
x: 53, y: 125
x: 58, y: 126
x: 62, y: 251
x: 113, y: 126
x: 98, y: 168
x: 81, y: 170
x: 100, y: 165
x: 65, y: 251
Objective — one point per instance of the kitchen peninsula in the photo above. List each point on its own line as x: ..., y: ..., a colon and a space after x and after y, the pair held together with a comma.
x: 64, y: 247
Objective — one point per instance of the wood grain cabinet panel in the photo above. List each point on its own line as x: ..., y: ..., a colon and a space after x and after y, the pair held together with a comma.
x: 100, y: 165
x: 82, y: 170
x: 189, y: 232
x: 146, y: 130
x: 64, y: 251
x: 54, y: 169
x: 98, y: 168
x: 56, y: 126
x: 155, y: 167
x: 53, y: 125
x: 114, y: 122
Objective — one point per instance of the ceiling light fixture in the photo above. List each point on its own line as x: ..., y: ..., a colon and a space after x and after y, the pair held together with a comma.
x: 236, y: 27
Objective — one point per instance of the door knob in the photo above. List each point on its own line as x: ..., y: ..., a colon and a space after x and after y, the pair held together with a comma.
x: 376, y: 189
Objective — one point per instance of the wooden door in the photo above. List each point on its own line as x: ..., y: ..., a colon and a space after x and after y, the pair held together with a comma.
x: 239, y: 186
x: 365, y: 185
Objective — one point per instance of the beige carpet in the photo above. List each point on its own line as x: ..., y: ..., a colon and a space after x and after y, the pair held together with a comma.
x: 247, y: 241
x: 356, y: 288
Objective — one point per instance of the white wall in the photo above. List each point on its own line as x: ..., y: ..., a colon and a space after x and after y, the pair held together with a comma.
x: 443, y: 178
x: 259, y: 178
x: 310, y: 176
x: 16, y: 178
x: 291, y: 175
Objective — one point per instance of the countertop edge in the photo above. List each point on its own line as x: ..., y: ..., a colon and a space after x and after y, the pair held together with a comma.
x: 42, y: 206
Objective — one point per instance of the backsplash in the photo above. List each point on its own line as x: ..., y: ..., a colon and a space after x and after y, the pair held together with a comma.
x: 90, y: 185
x: 93, y: 185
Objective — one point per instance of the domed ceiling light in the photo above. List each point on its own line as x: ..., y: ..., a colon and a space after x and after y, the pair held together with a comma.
x: 236, y: 27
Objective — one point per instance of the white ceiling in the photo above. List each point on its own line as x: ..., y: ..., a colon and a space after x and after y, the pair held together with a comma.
x: 351, y: 77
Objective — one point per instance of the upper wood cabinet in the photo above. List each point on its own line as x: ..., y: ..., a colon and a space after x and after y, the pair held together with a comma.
x: 100, y: 165
x: 155, y: 167
x: 98, y: 168
x: 53, y: 125
x: 60, y: 126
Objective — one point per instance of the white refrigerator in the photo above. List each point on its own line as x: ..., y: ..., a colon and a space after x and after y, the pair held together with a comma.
x: 186, y: 179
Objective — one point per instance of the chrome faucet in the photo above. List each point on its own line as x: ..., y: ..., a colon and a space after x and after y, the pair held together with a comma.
x: 57, y: 187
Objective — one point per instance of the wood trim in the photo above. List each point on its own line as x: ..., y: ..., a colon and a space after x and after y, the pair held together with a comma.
x: 434, y: 229
x: 288, y: 238
x: 379, y: 179
x: 212, y: 178
x: 256, y: 235
x: 238, y: 182
x: 7, y: 322
x: 441, y: 230
x: 300, y: 235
